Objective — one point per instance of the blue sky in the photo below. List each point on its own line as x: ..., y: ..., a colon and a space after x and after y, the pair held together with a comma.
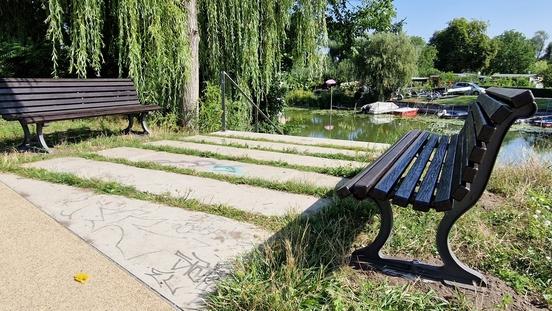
x: 424, y: 17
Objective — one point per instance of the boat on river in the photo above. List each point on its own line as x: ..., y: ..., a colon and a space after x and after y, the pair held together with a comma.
x: 444, y: 114
x: 406, y: 112
x: 379, y: 108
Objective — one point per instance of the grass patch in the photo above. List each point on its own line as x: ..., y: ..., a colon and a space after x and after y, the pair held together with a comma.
x: 456, y: 101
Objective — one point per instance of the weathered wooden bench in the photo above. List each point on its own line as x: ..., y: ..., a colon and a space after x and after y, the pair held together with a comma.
x: 40, y: 101
x: 444, y: 173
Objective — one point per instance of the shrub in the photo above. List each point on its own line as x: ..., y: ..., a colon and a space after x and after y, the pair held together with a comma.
x: 210, y: 110
x: 301, y: 98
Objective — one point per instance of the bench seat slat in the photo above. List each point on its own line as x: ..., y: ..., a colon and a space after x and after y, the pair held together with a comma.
x: 77, y: 114
x: 42, y: 110
x: 383, y: 188
x: 496, y: 111
x: 422, y: 201
x: 484, y: 129
x: 407, y: 186
x: 27, y: 98
x: 60, y: 89
x: 379, y: 165
x: 443, y: 197
x: 38, y: 105
x: 48, y: 84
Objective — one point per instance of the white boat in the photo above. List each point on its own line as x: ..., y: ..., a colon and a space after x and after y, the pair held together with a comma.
x: 379, y: 108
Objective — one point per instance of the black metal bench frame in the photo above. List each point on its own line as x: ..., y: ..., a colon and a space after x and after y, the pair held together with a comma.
x: 455, y: 179
x: 41, y: 101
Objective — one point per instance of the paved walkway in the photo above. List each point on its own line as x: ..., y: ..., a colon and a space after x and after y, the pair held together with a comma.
x: 224, y: 167
x: 178, y: 253
x: 209, y: 191
x: 39, y: 259
x: 300, y: 140
x: 293, y: 159
x: 274, y: 146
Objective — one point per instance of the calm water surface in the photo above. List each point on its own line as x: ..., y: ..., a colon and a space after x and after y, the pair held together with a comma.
x: 522, y: 141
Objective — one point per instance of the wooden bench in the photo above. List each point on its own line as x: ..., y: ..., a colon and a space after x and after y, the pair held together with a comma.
x: 441, y: 173
x: 40, y: 101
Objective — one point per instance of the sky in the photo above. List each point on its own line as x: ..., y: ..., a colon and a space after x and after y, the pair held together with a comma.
x: 424, y: 17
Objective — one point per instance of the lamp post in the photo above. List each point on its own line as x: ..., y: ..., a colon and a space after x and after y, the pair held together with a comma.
x: 330, y: 83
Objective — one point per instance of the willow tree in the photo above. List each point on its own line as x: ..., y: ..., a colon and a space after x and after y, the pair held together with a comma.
x: 156, y: 42
x: 247, y: 38
x: 146, y: 39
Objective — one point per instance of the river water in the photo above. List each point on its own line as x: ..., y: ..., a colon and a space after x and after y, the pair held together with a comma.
x: 521, y: 143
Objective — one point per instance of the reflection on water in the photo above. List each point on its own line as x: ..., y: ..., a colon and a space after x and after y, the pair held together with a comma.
x: 519, y: 143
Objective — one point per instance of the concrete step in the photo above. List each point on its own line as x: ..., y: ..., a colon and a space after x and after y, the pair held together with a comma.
x: 209, y: 191
x: 224, y: 167
x: 273, y: 146
x: 180, y: 254
x: 300, y: 140
x: 293, y: 159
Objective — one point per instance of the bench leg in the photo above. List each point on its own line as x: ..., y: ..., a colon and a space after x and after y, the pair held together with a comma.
x: 144, y: 124
x: 372, y: 251
x: 452, y: 272
x: 26, y: 145
x: 128, y: 130
x: 40, y: 137
x: 456, y: 273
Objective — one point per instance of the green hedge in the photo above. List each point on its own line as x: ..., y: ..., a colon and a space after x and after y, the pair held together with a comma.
x: 320, y: 99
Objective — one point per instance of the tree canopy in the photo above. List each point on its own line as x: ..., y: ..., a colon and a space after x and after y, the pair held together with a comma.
x: 515, y: 53
x: 386, y: 62
x: 347, y: 22
x: 463, y: 46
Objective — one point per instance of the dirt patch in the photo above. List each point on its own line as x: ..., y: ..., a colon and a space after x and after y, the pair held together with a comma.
x: 490, y: 201
x: 497, y: 296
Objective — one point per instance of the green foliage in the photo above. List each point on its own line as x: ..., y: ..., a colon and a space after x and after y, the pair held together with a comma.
x: 146, y: 40
x: 547, y: 77
x: 539, y: 67
x: 515, y: 53
x: 426, y: 61
x: 463, y: 46
x: 509, y: 82
x: 348, y: 22
x: 247, y: 39
x: 210, y: 109
x: 24, y: 59
x: 386, y: 62
x: 301, y: 98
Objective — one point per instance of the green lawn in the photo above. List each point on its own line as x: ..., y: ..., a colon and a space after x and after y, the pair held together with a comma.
x: 508, y: 235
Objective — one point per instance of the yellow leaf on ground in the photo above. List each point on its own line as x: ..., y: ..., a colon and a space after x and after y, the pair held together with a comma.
x: 81, y: 277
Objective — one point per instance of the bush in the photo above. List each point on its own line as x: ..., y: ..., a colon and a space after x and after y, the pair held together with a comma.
x: 301, y: 98
x: 210, y: 110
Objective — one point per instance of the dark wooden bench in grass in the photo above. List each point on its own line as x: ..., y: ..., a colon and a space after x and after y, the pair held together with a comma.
x: 441, y: 173
x: 40, y: 101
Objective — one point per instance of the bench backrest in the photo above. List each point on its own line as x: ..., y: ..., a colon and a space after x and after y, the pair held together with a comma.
x: 20, y: 97
x: 479, y: 141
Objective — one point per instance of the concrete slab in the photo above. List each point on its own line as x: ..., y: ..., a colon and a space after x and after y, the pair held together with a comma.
x: 273, y: 146
x: 223, y: 167
x: 178, y: 253
x: 293, y: 159
x: 300, y: 140
x: 40, y: 258
x: 209, y: 191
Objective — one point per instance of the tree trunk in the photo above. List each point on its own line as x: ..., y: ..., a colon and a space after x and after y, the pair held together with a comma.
x: 190, y: 102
